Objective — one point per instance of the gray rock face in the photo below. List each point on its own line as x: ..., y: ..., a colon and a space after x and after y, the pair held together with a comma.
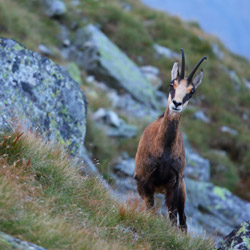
x: 42, y: 95
x: 54, y: 8
x: 126, y: 105
x: 237, y: 239
x: 100, y: 57
x: 216, y: 208
x: 197, y: 167
x: 9, y: 242
x: 115, y: 126
x: 151, y: 74
x: 125, y: 166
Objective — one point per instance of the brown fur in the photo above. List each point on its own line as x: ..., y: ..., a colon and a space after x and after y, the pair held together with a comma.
x: 160, y: 163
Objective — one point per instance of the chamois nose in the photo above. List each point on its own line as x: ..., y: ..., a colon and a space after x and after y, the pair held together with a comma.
x: 177, y: 103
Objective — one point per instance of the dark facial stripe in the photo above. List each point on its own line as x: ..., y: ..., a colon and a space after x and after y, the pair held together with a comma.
x: 187, y: 97
x: 172, y: 92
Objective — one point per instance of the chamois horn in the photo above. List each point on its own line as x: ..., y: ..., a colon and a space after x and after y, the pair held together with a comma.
x: 182, y: 64
x: 190, y: 77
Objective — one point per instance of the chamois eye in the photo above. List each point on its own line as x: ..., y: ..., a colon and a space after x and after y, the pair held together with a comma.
x: 171, y: 84
x: 193, y: 90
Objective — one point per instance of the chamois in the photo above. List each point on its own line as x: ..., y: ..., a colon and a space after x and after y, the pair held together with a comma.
x: 160, y: 158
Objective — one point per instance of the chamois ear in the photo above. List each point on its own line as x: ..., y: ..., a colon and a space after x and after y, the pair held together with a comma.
x: 198, y: 79
x: 175, y: 71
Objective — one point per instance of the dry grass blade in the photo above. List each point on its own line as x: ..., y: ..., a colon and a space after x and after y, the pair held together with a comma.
x: 17, y: 138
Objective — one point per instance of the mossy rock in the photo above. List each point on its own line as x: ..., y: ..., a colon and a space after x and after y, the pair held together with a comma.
x: 94, y: 52
x: 237, y: 239
x: 216, y: 208
x: 42, y: 95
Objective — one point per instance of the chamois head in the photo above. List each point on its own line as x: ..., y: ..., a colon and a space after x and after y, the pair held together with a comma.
x: 181, y: 88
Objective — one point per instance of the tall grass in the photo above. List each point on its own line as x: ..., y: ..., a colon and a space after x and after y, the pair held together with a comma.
x: 44, y: 200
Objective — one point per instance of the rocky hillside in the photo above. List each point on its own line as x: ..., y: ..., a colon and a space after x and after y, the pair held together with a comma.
x: 117, y: 55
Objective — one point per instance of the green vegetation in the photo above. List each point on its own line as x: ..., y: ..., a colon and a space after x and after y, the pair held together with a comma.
x: 44, y: 200
x: 20, y: 21
x: 224, y: 99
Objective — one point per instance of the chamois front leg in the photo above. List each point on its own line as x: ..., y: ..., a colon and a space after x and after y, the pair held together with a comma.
x: 172, y: 201
x: 181, y: 205
x: 147, y: 194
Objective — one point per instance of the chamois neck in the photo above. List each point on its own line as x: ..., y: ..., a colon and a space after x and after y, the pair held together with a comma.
x: 169, y: 128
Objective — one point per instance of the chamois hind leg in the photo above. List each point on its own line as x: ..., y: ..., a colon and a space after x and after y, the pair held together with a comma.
x: 172, y: 201
x: 181, y: 205
x: 147, y: 194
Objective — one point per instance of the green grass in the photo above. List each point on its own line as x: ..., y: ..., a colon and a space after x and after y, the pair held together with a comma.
x: 24, y: 21
x: 44, y: 200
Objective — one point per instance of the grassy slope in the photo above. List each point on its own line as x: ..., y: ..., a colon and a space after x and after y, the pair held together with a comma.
x: 44, y: 200
x: 135, y: 32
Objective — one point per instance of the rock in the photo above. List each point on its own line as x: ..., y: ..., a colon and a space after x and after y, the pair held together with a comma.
x: 217, y: 51
x: 127, y: 7
x: 64, y: 37
x: 165, y: 52
x: 247, y: 83
x: 127, y: 105
x: 9, y: 242
x: 125, y: 167
x: 54, y: 8
x: 162, y: 99
x: 100, y: 57
x: 107, y: 116
x: 235, y: 78
x: 42, y: 95
x: 245, y: 117
x: 200, y: 115
x: 239, y: 238
x: 150, y: 69
x: 197, y: 167
x: 151, y: 74
x: 215, y: 208
x: 231, y: 131
x: 116, y: 126
x: 45, y: 50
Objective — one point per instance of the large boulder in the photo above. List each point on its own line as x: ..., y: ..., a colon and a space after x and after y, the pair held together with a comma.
x: 238, y: 239
x: 42, y: 95
x: 100, y: 57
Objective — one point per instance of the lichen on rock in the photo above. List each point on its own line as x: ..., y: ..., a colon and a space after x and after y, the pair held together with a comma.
x: 42, y: 95
x: 239, y: 238
x: 93, y: 51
